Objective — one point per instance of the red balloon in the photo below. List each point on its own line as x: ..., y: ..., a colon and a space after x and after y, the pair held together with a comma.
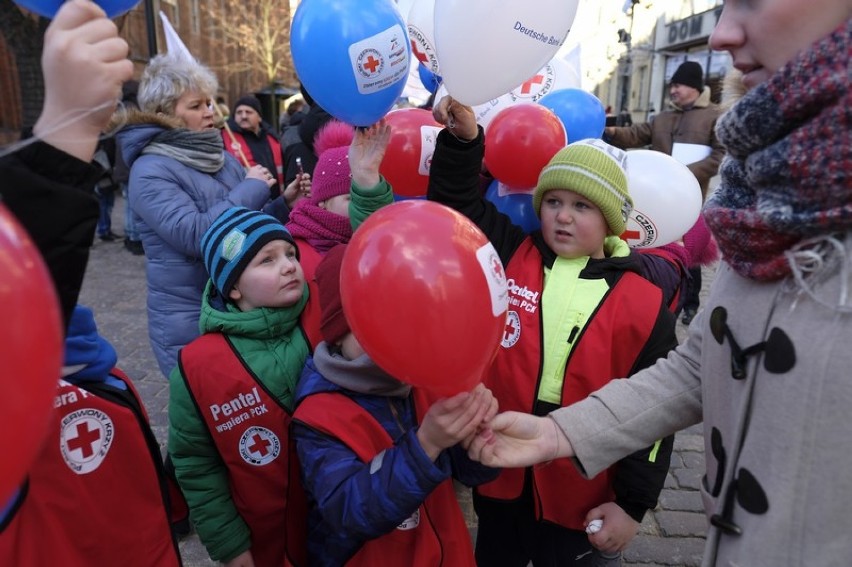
x: 409, y: 154
x: 520, y: 141
x: 425, y: 294
x: 32, y: 342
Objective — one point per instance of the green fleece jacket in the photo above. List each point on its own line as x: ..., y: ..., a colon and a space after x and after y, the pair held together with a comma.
x: 273, y: 346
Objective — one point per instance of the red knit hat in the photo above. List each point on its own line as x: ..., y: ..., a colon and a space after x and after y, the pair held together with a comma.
x: 332, y: 176
x: 333, y: 324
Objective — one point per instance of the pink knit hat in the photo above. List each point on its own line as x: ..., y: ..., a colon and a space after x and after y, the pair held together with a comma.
x: 332, y: 176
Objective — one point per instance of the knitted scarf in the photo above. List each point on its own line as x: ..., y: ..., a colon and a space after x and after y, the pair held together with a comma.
x: 786, y: 176
x: 199, y: 149
x: 320, y: 228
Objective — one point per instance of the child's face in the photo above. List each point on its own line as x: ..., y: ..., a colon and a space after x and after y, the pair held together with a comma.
x: 338, y: 205
x: 572, y: 225
x: 273, y: 278
x: 763, y: 35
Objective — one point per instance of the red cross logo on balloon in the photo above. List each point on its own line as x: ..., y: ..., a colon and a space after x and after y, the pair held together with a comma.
x: 527, y: 86
x: 422, y: 57
x: 370, y: 63
x: 497, y: 266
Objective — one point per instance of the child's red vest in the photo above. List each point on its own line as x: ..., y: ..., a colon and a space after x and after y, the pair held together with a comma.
x: 310, y: 319
x: 250, y: 430
x: 441, y: 536
x: 96, y: 494
x: 605, y: 349
x: 234, y: 141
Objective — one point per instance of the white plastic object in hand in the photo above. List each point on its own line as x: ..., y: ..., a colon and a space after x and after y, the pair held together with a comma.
x: 594, y: 526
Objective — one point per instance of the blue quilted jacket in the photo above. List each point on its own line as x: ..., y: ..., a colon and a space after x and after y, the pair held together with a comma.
x: 173, y: 205
x: 348, y: 502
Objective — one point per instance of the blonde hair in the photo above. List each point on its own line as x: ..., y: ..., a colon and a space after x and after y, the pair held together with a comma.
x: 166, y: 78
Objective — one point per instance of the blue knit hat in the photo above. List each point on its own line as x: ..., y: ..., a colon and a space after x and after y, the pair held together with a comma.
x: 233, y: 240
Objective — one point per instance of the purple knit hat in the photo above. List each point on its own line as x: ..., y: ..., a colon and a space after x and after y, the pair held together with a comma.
x: 332, y: 176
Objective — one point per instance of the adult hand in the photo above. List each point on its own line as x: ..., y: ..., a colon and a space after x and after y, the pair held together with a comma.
x: 261, y: 173
x: 366, y: 153
x: 515, y: 439
x: 450, y: 421
x: 244, y: 559
x: 618, y: 528
x: 84, y: 64
x: 457, y: 118
x: 299, y: 188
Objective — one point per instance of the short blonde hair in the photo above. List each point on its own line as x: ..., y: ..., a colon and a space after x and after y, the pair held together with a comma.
x: 166, y: 78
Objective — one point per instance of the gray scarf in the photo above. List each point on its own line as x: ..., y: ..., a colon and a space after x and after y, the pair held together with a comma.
x: 360, y: 375
x: 199, y: 149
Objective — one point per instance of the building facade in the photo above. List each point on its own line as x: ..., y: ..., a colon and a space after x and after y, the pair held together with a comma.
x: 229, y: 36
x: 630, y: 50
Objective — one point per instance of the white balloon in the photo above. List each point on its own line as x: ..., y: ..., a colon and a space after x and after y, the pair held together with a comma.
x: 486, y: 111
x: 404, y: 7
x: 487, y: 48
x: 666, y: 199
x: 421, y: 31
x: 555, y: 75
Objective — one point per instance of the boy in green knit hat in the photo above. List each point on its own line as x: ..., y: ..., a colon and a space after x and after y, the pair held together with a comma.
x: 581, y: 313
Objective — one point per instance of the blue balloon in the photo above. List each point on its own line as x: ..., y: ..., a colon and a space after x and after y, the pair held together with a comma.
x: 352, y: 56
x: 517, y: 206
x: 400, y: 198
x: 580, y: 112
x: 48, y: 8
x: 430, y: 80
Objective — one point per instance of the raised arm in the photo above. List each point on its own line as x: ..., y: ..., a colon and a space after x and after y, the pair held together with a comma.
x: 370, y: 191
x: 84, y: 64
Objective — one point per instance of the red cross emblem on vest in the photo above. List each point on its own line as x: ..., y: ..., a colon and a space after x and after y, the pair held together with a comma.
x: 85, y: 439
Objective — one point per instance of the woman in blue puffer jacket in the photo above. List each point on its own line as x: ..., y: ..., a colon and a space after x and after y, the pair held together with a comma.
x: 181, y: 180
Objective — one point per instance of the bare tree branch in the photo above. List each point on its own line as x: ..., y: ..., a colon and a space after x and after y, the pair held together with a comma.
x: 258, y: 33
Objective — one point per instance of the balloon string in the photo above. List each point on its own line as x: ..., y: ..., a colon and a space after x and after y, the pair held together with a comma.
x: 66, y: 120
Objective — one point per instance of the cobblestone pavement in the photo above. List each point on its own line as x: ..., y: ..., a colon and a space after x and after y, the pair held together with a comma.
x: 671, y: 535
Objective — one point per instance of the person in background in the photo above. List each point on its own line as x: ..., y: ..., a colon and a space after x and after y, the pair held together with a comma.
x: 105, y: 188
x: 378, y: 456
x: 232, y: 392
x: 248, y: 137
x: 121, y: 174
x: 765, y: 366
x: 582, y: 312
x: 298, y: 143
x: 181, y: 180
x: 689, y: 126
x: 224, y: 111
x: 293, y: 114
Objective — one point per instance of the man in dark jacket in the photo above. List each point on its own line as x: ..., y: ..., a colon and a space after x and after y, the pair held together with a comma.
x: 686, y: 132
x: 251, y: 141
x: 298, y: 142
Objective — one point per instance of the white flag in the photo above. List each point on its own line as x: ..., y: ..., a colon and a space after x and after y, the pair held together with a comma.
x: 174, y: 45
